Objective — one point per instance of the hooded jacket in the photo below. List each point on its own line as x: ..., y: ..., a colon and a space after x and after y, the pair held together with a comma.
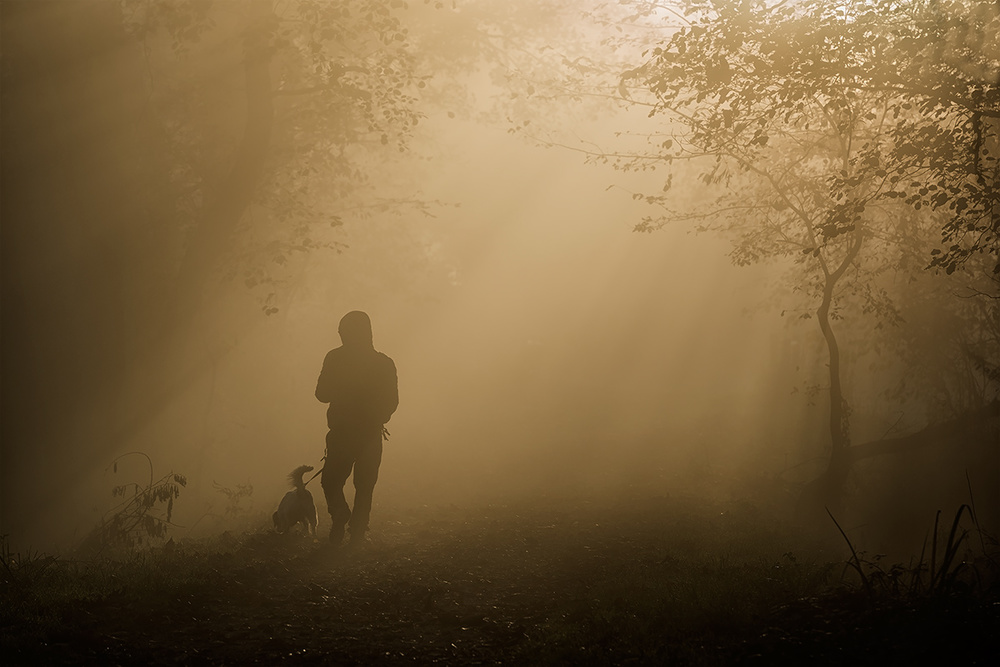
x: 357, y: 381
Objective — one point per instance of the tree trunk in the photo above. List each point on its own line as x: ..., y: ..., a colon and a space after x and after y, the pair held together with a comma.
x: 840, y: 429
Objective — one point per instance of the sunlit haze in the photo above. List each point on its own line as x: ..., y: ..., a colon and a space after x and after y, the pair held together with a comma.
x: 544, y: 348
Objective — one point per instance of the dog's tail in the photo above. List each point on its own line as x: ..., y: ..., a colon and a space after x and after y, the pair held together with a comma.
x: 296, y: 477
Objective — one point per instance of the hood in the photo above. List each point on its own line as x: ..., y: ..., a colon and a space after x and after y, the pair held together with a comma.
x: 356, y: 329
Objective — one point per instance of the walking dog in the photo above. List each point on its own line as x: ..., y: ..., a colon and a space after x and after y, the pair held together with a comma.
x: 297, y: 506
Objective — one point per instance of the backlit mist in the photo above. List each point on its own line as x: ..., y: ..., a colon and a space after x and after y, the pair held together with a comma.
x: 544, y: 349
x: 656, y: 332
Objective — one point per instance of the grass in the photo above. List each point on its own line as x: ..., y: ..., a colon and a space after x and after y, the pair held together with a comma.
x: 651, y: 581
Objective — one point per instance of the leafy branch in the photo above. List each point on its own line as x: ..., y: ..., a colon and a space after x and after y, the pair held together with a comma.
x: 144, y: 513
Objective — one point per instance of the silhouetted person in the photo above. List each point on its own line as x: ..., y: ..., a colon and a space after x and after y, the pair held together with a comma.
x: 359, y: 383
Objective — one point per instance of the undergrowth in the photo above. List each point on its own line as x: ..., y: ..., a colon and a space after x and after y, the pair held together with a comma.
x: 965, y: 560
x: 668, y: 582
x: 239, y: 500
x: 142, y: 518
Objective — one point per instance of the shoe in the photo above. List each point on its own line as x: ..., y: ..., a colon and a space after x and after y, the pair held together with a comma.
x: 359, y: 540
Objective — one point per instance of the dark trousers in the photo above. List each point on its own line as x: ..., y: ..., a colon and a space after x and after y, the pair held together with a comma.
x: 360, y: 450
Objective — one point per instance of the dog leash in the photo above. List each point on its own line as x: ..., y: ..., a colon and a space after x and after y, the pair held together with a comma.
x: 318, y: 471
x: 385, y: 436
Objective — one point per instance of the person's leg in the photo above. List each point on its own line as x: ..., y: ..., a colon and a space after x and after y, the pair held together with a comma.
x: 365, y: 475
x: 339, y: 461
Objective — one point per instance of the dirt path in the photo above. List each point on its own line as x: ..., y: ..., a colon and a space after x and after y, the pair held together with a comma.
x: 654, y: 582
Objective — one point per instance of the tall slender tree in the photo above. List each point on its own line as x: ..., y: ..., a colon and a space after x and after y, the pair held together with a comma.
x: 822, y: 126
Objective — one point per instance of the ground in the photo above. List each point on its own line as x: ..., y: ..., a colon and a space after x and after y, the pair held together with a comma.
x: 660, y: 580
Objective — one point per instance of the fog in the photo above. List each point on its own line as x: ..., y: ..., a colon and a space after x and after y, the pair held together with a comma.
x: 544, y: 348
x: 559, y: 353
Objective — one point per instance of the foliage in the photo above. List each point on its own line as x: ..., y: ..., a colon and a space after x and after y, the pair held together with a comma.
x: 840, y: 139
x: 954, y: 570
x: 143, y: 515
x: 22, y: 569
x: 235, y: 498
x: 904, y: 91
x: 950, y: 343
x: 338, y: 96
x: 853, y: 143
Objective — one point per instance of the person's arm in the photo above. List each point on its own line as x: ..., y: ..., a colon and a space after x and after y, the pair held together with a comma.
x: 390, y: 396
x: 324, y: 385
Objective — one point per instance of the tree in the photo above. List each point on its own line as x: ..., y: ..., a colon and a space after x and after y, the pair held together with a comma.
x: 150, y: 148
x: 324, y: 88
x: 820, y: 124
